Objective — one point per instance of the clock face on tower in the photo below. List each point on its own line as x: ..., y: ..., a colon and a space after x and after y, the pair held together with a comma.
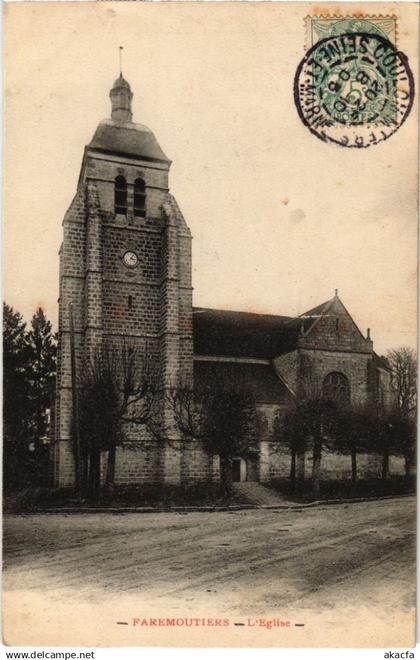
x: 130, y: 259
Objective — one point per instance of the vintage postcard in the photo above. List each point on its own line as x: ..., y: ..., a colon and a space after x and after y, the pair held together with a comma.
x: 209, y: 324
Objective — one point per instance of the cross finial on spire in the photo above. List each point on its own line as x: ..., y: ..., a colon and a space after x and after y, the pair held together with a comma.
x: 121, y: 48
x: 336, y: 293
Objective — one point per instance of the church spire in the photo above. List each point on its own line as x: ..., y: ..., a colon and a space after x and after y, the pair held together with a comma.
x: 121, y: 96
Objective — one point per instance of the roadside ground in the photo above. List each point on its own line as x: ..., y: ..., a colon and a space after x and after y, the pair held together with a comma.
x: 347, y: 572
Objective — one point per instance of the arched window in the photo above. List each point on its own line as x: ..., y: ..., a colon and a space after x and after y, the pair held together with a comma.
x: 139, y: 198
x: 120, y: 195
x: 336, y: 387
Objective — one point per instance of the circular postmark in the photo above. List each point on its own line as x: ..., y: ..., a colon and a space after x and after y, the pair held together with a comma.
x: 354, y: 89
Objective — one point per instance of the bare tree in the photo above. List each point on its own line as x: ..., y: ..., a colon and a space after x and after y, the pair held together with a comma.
x: 319, y: 407
x: 229, y: 426
x: 312, y: 422
x: 222, y: 417
x: 353, y: 430
x: 288, y: 431
x: 317, y: 417
x: 392, y: 434
x: 403, y: 365
x: 117, y: 388
x: 175, y: 417
x: 187, y: 412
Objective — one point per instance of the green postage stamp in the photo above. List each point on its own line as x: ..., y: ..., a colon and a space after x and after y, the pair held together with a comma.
x: 353, y: 87
x: 321, y: 27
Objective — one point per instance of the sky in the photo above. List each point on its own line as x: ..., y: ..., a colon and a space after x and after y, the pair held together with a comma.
x: 279, y: 219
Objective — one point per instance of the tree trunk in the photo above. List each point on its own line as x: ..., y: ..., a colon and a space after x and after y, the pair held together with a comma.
x: 110, y: 470
x: 316, y: 467
x: 94, y: 474
x: 300, y: 470
x: 293, y: 470
x: 353, y: 466
x: 84, y: 474
x: 226, y: 474
x: 385, y: 464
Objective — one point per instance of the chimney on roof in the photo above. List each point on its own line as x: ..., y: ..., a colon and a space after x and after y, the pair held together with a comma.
x: 368, y: 334
x: 336, y: 293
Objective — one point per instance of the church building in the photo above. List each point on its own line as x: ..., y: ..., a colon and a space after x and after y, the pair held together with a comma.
x: 125, y: 274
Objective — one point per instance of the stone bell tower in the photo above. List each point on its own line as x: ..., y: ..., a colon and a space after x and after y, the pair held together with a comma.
x: 125, y: 268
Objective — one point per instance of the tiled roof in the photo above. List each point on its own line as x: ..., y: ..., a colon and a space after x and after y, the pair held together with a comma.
x: 380, y: 361
x: 127, y: 138
x: 260, y: 379
x: 243, y: 334
x: 317, y: 311
x: 306, y: 319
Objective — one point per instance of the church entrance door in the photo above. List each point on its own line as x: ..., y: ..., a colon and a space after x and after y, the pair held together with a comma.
x: 238, y: 469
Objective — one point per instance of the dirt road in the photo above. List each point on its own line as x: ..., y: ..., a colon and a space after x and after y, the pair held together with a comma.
x: 341, y: 570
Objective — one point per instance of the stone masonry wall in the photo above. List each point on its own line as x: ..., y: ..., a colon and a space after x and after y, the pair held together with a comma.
x: 352, y: 365
x: 71, y: 292
x: 196, y: 464
x: 104, y: 168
